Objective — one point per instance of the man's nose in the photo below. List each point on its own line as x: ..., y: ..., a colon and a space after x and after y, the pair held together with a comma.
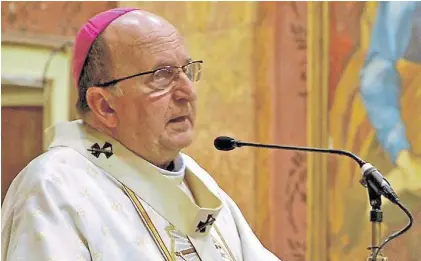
x: 184, y: 89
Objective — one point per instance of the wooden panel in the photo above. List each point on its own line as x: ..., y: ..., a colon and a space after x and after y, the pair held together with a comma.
x: 21, y: 141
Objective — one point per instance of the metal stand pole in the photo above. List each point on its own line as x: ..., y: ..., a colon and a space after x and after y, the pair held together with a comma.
x: 376, y: 219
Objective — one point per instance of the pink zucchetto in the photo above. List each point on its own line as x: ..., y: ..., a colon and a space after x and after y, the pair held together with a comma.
x: 88, y: 34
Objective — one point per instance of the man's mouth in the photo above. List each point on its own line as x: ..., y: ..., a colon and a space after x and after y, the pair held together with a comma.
x: 179, y: 119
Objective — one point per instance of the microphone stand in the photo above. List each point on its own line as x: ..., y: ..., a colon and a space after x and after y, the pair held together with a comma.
x: 376, y: 219
x: 372, y: 179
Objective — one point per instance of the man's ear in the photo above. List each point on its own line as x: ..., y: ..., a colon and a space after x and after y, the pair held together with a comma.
x: 100, y: 102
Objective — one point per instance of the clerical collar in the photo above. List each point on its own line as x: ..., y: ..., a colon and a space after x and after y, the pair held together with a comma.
x: 170, y: 167
x: 177, y: 172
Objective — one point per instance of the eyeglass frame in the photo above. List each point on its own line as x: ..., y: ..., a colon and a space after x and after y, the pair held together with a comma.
x: 115, y: 81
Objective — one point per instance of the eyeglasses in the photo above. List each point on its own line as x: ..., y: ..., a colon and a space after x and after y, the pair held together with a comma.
x: 164, y: 76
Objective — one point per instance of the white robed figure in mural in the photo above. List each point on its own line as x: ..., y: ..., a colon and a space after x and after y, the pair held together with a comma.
x: 114, y: 185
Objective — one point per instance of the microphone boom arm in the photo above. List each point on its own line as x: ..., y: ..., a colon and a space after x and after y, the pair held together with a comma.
x: 328, y: 151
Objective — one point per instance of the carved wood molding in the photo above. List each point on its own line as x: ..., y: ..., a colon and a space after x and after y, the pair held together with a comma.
x: 35, y: 40
x: 21, y: 81
x: 317, y: 129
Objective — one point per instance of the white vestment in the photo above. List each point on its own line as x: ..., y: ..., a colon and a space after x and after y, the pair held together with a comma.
x: 90, y: 198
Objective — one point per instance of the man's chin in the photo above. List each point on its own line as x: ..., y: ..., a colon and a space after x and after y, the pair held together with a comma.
x: 180, y: 141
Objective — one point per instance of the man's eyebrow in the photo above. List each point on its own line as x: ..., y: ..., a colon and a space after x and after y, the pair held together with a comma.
x: 161, y: 64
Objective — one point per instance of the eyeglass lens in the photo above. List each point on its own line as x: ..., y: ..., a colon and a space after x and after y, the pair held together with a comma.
x: 165, y: 76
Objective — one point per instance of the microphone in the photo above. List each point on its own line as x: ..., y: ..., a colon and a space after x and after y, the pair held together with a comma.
x: 370, y: 175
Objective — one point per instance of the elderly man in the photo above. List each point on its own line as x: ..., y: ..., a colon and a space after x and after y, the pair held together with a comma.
x: 115, y: 186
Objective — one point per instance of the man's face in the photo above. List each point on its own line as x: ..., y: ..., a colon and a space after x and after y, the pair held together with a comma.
x: 150, y: 118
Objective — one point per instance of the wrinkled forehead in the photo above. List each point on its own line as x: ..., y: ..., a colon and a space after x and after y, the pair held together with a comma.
x: 144, y: 41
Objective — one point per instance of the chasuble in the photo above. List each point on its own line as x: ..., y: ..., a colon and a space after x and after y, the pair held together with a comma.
x: 90, y: 198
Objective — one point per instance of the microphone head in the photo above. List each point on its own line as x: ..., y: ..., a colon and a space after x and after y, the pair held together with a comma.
x: 224, y: 143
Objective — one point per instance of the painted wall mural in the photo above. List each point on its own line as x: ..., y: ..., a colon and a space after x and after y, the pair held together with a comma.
x: 374, y: 111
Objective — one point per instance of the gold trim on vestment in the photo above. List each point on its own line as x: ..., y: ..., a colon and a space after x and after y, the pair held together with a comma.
x: 155, y: 234
x: 149, y: 225
x: 225, y: 243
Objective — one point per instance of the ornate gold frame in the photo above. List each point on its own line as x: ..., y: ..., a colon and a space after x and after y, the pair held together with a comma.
x: 317, y: 129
